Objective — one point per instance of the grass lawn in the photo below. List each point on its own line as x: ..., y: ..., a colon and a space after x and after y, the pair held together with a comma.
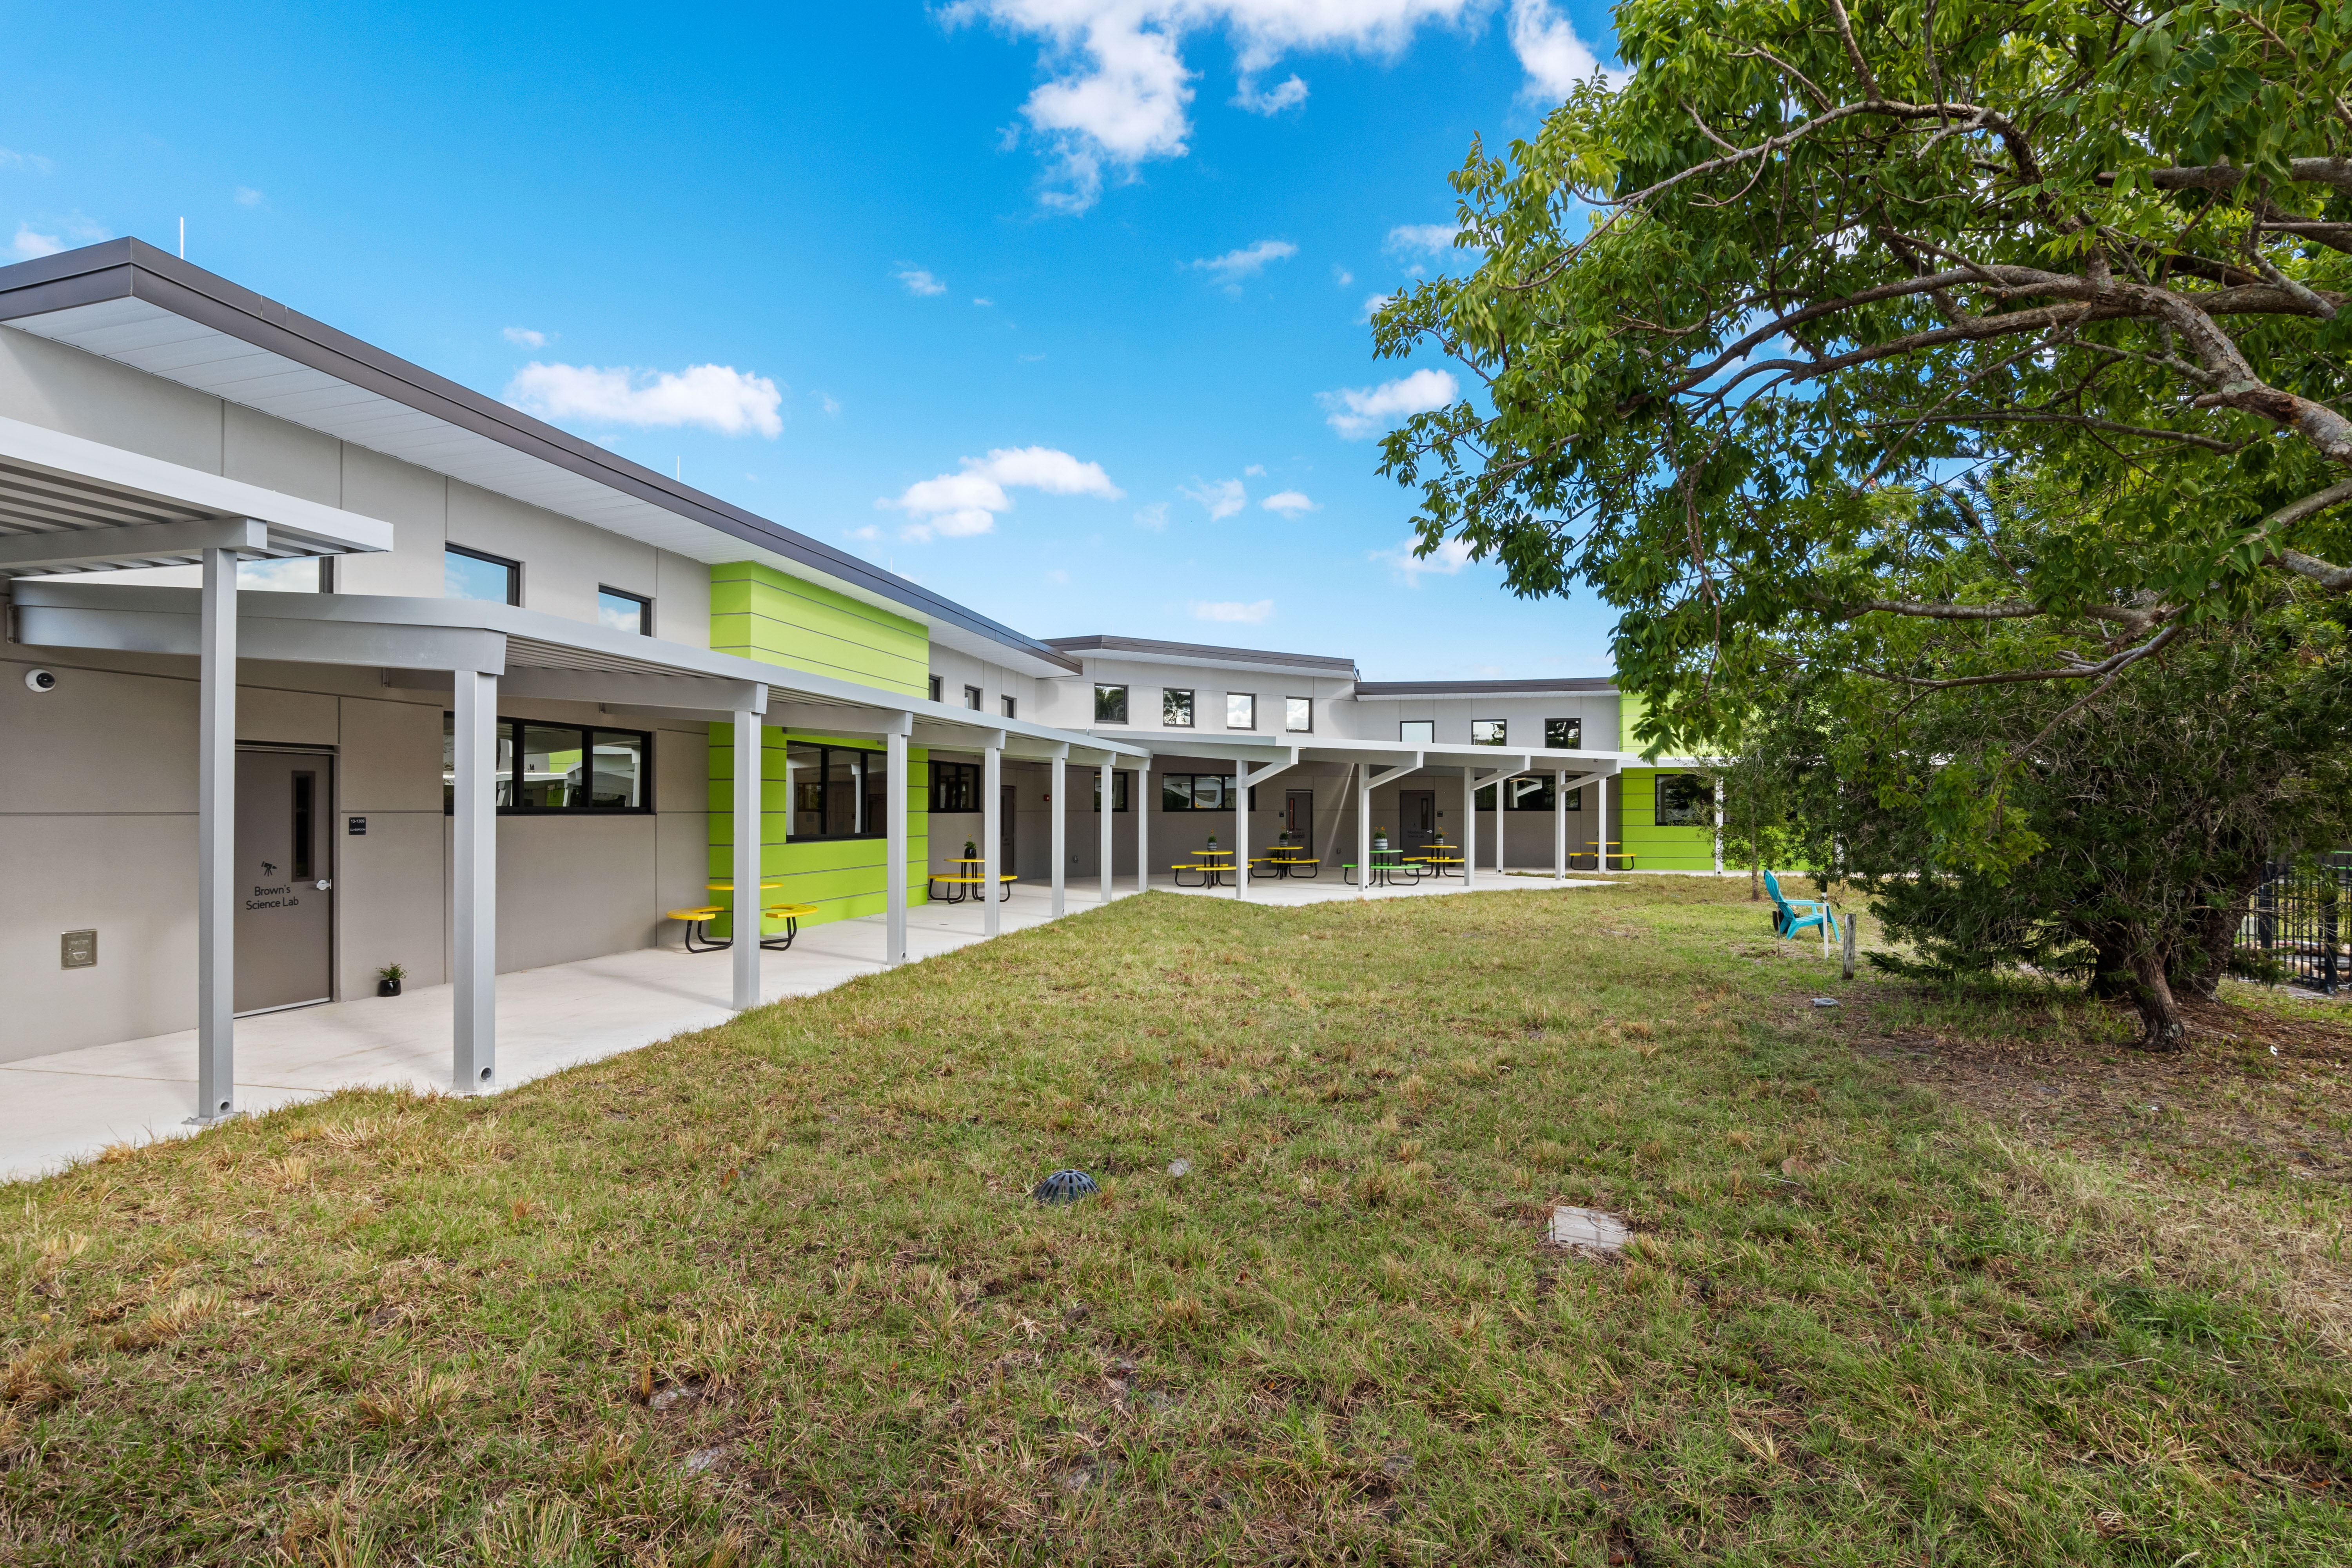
x: 775, y: 1292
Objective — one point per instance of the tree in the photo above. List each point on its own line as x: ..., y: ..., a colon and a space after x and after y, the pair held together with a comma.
x: 1743, y: 328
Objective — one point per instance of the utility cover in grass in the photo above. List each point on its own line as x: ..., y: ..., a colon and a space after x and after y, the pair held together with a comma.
x: 1588, y: 1228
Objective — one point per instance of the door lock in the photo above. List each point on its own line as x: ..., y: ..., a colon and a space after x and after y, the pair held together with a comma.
x: 325, y: 883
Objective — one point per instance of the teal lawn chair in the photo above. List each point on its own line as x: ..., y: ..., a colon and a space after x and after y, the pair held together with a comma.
x: 1790, y: 916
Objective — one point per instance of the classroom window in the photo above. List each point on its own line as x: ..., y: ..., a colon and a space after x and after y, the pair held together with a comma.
x: 559, y: 768
x: 1535, y: 792
x: 1176, y: 709
x: 1120, y: 785
x: 620, y: 612
x: 1685, y: 800
x: 1241, y: 710
x: 938, y: 689
x: 1011, y: 708
x: 835, y: 791
x: 1298, y: 715
x: 1417, y: 731
x: 971, y: 698
x: 1490, y: 732
x: 1564, y: 734
x: 471, y: 574
x: 1196, y: 792
x: 1110, y: 704
x: 955, y: 786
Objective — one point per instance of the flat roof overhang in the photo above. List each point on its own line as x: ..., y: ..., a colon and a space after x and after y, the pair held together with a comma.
x: 535, y: 654
x: 129, y: 302
x: 1258, y: 748
x: 70, y: 505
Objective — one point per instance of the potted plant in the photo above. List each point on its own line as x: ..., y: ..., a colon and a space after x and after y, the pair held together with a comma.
x: 971, y: 850
x: 1212, y: 843
x: 388, y: 979
x: 1380, y: 840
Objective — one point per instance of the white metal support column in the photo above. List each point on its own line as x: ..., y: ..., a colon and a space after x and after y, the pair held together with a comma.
x: 217, y: 840
x: 1559, y: 825
x: 1469, y: 828
x: 1502, y: 806
x: 474, y: 884
x: 1718, y: 824
x: 1106, y: 780
x: 1364, y: 832
x: 746, y: 920
x: 1061, y: 818
x: 894, y: 833
x: 991, y: 827
x: 1241, y: 828
x: 1601, y: 829
x: 1141, y: 806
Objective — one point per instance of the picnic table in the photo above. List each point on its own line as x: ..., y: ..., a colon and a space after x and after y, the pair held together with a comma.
x: 1613, y: 850
x: 1291, y: 860
x: 963, y: 883
x: 1390, y: 868
x: 697, y: 921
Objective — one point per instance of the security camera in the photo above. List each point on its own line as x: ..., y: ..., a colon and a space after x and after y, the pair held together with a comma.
x: 41, y: 680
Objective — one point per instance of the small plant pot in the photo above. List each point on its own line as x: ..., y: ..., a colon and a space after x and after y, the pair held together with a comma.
x: 387, y: 987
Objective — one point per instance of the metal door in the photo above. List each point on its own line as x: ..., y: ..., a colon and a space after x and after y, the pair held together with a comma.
x: 1417, y: 816
x: 1298, y: 817
x: 285, y: 872
x: 1005, y: 814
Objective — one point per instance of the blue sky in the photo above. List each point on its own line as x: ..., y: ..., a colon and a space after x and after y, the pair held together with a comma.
x: 978, y: 291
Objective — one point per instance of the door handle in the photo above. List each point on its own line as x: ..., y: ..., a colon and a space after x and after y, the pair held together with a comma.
x: 325, y: 883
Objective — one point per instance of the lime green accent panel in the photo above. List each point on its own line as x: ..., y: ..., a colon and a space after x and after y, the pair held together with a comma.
x: 757, y: 612
x: 1656, y: 848
x: 842, y: 877
x: 1630, y: 710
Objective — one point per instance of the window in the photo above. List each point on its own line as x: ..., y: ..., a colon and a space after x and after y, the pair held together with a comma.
x: 1120, y: 785
x: 971, y: 698
x: 832, y: 792
x: 938, y: 689
x: 1533, y: 793
x: 1298, y: 714
x: 1490, y: 732
x: 563, y: 768
x: 1110, y: 704
x: 1241, y: 710
x: 1196, y: 792
x: 955, y: 786
x: 1417, y: 731
x: 1176, y: 709
x: 1011, y: 709
x: 1564, y: 734
x: 1685, y: 800
x: 470, y: 574
x: 631, y: 613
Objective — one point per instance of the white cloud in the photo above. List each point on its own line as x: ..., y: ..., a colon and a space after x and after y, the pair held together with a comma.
x: 11, y: 159
x: 246, y: 196
x: 829, y: 403
x: 714, y: 397
x: 1289, y: 503
x: 1413, y: 238
x: 1153, y: 517
x: 1358, y: 412
x: 72, y: 229
x: 1233, y: 610
x: 1255, y: 471
x: 983, y: 301
x: 1342, y: 275
x: 1554, y: 57
x: 918, y: 281
x: 1236, y: 265
x: 959, y: 505
x: 1057, y: 577
x: 1222, y: 498
x: 869, y: 533
x: 1120, y: 88
x: 29, y: 245
x: 1446, y: 561
x: 1375, y: 303
x: 1288, y: 96
x: 525, y: 338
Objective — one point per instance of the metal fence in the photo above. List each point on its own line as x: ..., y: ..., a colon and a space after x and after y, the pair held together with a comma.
x: 2300, y: 919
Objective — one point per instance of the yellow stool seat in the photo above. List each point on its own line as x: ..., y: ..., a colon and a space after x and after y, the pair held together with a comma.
x: 707, y: 912
x: 795, y: 911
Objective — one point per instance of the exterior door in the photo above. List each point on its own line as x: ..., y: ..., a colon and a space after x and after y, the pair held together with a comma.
x: 285, y: 849
x: 1005, y: 814
x: 1298, y: 817
x: 1417, y: 812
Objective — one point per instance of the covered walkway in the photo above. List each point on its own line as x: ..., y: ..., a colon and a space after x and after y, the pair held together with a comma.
x: 69, y: 1105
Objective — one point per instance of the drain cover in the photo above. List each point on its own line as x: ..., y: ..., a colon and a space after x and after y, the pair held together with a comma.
x: 1066, y: 1187
x: 1588, y: 1228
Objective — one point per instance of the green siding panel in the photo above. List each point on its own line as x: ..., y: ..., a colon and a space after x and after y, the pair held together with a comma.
x: 757, y: 612
x: 844, y: 877
x: 1656, y: 848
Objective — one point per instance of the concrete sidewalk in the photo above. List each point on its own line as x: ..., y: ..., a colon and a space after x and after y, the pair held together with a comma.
x: 57, y: 1109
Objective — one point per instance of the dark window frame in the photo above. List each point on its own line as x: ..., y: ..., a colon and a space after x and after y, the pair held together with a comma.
x: 1011, y: 704
x: 1192, y: 707
x: 513, y: 568
x: 510, y: 729
x: 938, y: 688
x: 1502, y: 732
x: 950, y: 782
x: 1290, y: 729
x: 643, y: 602
x: 1105, y: 704
x: 1248, y: 697
x: 1230, y: 783
x: 1703, y: 802
x: 1529, y: 791
x: 1574, y: 729
x: 1428, y: 739
x: 974, y: 699
x: 1122, y: 790
x: 870, y: 757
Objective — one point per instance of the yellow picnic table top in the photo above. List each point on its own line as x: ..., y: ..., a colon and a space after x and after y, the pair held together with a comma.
x: 796, y: 911
x: 957, y: 877
x: 729, y: 887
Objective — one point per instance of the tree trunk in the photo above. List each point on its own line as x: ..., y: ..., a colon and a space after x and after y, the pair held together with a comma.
x: 2159, y: 1014
x: 2205, y: 956
x: 1756, y: 882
